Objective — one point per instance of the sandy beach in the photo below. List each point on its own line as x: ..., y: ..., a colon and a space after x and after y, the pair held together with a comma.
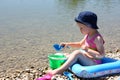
x: 32, y: 72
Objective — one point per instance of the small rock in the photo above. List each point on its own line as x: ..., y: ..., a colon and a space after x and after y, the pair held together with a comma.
x: 27, y: 70
x: 32, y: 67
x: 18, y: 71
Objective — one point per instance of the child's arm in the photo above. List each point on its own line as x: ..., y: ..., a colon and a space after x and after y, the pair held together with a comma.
x: 74, y: 44
x: 94, y: 54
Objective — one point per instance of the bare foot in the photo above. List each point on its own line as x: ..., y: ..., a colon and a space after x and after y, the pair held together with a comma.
x: 48, y: 71
x: 54, y: 72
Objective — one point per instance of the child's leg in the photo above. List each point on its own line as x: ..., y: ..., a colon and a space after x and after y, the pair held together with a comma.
x: 76, y: 55
x: 66, y: 55
x: 84, y: 60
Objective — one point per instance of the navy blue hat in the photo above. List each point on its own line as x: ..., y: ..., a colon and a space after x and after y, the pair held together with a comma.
x: 87, y: 18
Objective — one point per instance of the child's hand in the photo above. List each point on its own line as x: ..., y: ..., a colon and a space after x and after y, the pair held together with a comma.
x: 63, y: 44
x: 85, y: 48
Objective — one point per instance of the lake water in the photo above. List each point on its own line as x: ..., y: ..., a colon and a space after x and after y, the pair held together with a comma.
x: 29, y: 28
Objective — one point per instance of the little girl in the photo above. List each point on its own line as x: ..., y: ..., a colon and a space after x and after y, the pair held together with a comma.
x: 91, y: 48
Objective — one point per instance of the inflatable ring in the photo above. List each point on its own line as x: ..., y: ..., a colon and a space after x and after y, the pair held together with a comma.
x: 109, y: 66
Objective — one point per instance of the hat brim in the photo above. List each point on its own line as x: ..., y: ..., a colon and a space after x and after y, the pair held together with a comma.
x: 87, y: 24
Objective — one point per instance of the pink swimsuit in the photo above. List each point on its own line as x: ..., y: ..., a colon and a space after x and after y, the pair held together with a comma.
x: 90, y: 43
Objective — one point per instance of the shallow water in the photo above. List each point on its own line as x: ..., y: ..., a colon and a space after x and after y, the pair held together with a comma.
x: 29, y: 28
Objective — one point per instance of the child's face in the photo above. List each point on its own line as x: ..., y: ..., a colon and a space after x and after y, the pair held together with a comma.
x: 83, y: 28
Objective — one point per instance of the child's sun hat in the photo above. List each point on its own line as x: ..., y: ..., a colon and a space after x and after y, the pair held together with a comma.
x: 87, y: 18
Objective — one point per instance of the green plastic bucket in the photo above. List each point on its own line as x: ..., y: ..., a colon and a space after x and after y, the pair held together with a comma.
x: 56, y: 60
